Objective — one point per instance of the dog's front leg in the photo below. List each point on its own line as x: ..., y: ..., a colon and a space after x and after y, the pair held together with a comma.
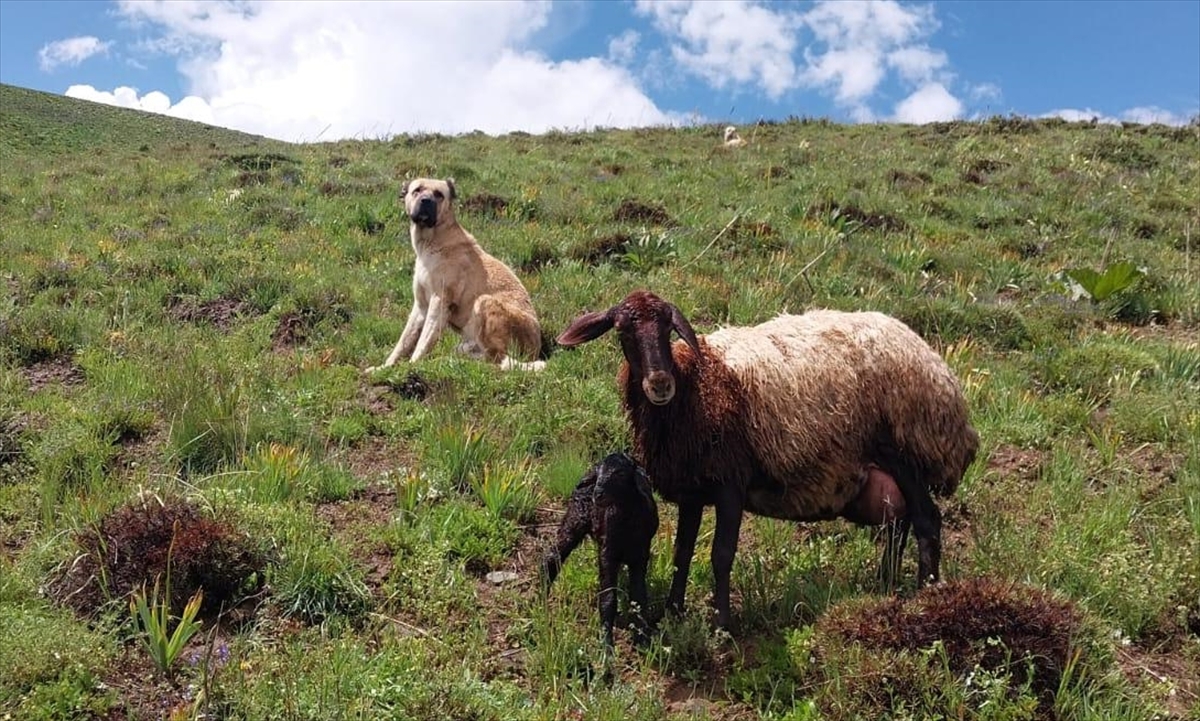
x: 408, y: 339
x: 438, y: 315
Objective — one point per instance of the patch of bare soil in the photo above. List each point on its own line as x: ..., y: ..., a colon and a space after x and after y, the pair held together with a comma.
x: 484, y: 204
x: 60, y: 369
x: 1174, y: 332
x: 291, y: 331
x: 703, y: 700
x: 352, y: 521
x: 143, y: 693
x: 872, y: 221
x: 502, y: 601
x: 636, y: 211
x: 600, y: 250
x: 752, y: 229
x: 1170, y: 678
x: 1023, y: 464
x: 908, y: 180
x: 1155, y: 468
x: 220, y: 312
x: 375, y: 457
x: 540, y: 255
x: 412, y: 387
x: 980, y: 170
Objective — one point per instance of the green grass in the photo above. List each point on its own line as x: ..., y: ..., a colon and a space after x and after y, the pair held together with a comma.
x: 187, y: 311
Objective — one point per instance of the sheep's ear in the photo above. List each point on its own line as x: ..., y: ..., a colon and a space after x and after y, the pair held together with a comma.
x: 684, y: 329
x: 453, y: 190
x: 588, y: 326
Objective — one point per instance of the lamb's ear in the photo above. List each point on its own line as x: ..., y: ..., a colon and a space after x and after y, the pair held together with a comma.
x: 453, y: 190
x: 684, y: 329
x: 588, y: 326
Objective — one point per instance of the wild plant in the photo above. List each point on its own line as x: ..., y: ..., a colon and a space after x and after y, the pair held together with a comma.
x: 152, y: 618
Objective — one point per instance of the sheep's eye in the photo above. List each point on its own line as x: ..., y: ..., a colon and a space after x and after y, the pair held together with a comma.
x: 438, y: 194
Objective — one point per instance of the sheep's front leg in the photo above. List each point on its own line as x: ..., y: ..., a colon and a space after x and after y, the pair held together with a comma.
x: 435, y: 322
x: 724, y: 548
x: 926, y: 522
x: 609, y: 569
x: 685, y: 546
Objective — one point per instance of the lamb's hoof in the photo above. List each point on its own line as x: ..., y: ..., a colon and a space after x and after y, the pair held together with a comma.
x: 641, y: 637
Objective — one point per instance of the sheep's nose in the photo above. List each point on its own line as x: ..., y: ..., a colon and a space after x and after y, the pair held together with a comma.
x: 659, y: 387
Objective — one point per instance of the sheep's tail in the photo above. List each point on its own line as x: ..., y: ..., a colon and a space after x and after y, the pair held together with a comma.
x: 945, y: 455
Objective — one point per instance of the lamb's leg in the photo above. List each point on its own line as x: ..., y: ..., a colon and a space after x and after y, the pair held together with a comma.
x: 609, y: 569
x: 570, y: 535
x: 724, y: 548
x: 640, y: 598
x: 895, y: 538
x: 685, y: 546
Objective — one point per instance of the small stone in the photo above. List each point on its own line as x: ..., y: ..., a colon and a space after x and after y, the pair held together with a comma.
x: 499, y: 577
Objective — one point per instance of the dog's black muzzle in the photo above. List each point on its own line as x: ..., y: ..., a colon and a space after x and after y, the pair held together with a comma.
x: 425, y: 214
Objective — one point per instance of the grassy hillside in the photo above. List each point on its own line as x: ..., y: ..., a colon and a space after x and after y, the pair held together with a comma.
x: 186, y: 313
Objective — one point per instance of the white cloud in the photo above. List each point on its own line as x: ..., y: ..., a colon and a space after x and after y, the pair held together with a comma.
x: 299, y: 71
x: 917, y: 64
x: 190, y: 108
x: 622, y: 48
x: 931, y: 103
x: 729, y: 42
x: 986, y: 92
x: 1144, y: 115
x: 1075, y: 115
x: 71, y: 51
x: 847, y: 48
x: 1152, y: 114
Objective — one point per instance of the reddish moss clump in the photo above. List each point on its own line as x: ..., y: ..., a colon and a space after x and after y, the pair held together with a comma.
x: 968, y: 618
x: 133, y: 545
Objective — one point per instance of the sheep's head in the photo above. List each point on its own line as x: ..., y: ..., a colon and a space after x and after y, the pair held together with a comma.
x: 644, y: 323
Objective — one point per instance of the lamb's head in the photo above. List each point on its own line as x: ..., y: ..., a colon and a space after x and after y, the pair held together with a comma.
x: 616, y: 480
x: 644, y: 323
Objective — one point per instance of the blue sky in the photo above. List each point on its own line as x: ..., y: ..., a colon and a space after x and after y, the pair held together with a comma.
x: 316, y: 70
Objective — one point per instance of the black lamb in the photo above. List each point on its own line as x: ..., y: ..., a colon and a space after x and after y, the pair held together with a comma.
x: 614, y: 505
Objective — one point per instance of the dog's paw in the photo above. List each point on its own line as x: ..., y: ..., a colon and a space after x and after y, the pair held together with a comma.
x: 509, y: 364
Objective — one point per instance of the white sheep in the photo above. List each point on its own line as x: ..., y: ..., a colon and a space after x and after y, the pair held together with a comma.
x: 804, y: 417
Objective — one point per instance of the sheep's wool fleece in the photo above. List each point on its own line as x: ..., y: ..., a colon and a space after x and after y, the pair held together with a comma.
x: 824, y: 387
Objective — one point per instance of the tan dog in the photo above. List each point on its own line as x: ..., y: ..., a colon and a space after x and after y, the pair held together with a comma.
x: 732, y: 139
x: 457, y: 284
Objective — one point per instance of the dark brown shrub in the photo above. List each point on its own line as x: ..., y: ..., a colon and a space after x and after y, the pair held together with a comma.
x: 132, y: 546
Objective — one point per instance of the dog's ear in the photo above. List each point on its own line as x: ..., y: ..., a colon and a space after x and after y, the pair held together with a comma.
x: 404, y: 189
x: 453, y: 191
